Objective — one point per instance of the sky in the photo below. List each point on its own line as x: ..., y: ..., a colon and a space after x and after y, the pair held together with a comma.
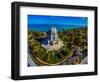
x: 57, y: 20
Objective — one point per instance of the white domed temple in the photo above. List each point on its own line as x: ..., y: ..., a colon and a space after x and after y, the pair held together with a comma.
x: 54, y: 43
x: 52, y: 36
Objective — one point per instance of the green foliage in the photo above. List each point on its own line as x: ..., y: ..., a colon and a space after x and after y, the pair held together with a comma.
x: 63, y: 51
x: 42, y: 54
x: 70, y: 38
x: 53, y: 57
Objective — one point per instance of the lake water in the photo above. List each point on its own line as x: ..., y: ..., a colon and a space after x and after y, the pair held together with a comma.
x: 45, y: 27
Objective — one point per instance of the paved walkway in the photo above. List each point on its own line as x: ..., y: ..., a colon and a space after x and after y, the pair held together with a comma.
x: 30, y: 61
x: 53, y: 47
x: 84, y: 61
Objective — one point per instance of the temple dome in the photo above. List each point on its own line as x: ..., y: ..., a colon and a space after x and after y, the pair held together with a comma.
x: 53, y: 31
x: 52, y: 35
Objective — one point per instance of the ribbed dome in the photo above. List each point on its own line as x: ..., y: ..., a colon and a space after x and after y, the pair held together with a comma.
x: 53, y: 31
x: 52, y: 35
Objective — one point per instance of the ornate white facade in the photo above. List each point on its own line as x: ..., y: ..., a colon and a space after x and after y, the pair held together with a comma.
x: 52, y: 36
x: 54, y: 43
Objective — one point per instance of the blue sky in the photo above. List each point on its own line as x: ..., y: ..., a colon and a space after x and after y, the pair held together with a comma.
x: 57, y: 20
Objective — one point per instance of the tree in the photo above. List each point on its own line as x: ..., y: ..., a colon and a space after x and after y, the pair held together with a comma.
x: 78, y: 40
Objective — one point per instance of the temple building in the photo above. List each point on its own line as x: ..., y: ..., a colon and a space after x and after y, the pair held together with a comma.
x: 53, y: 42
x: 52, y: 36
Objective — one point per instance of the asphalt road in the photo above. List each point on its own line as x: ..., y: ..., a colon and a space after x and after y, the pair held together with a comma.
x: 30, y: 61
